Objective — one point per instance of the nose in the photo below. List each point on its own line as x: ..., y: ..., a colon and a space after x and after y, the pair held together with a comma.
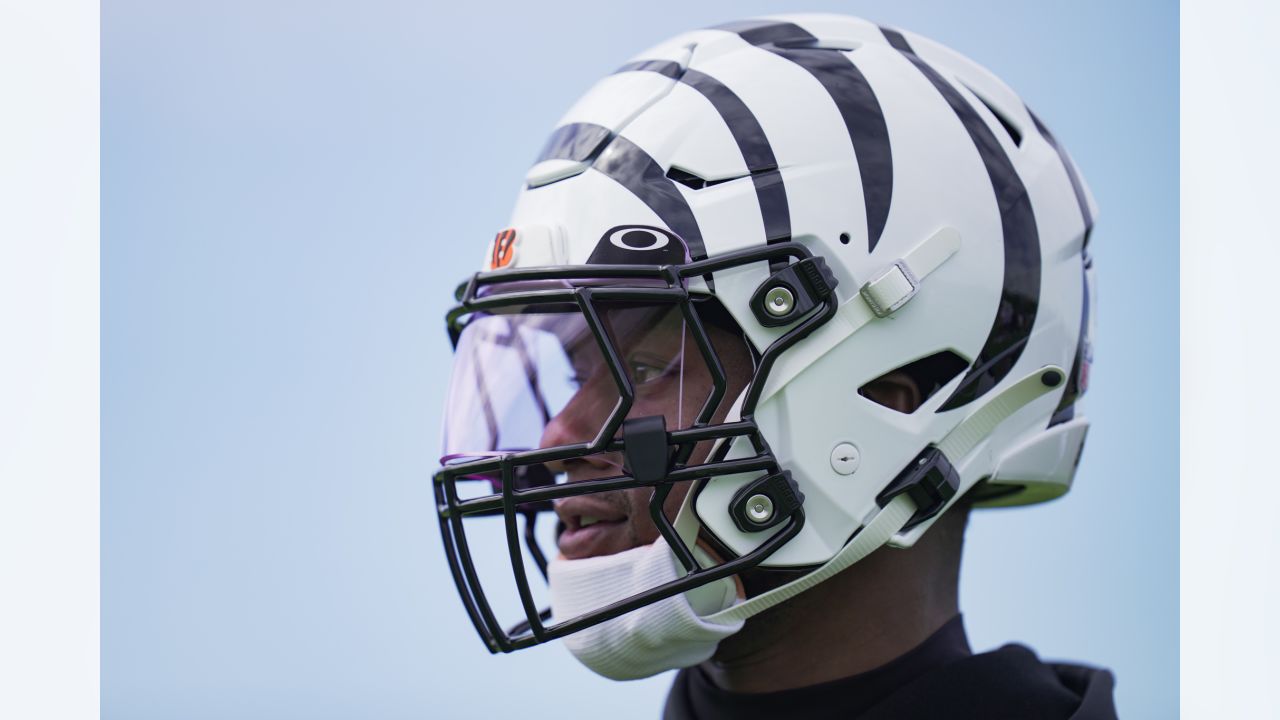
x: 563, y: 429
x: 580, y: 421
x: 583, y: 415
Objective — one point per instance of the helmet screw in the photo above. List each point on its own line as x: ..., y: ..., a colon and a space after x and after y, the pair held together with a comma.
x: 759, y: 509
x: 779, y: 301
x: 845, y: 458
x: 1051, y: 378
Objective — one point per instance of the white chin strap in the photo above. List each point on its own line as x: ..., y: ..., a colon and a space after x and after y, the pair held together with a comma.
x: 667, y: 634
x: 685, y: 630
x: 891, y: 518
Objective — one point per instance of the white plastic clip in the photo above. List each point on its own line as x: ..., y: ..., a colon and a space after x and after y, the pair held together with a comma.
x: 891, y: 289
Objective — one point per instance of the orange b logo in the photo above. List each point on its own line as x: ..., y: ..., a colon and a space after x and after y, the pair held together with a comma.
x: 504, y: 249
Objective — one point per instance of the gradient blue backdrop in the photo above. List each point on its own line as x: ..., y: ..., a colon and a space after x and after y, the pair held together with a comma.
x: 290, y: 191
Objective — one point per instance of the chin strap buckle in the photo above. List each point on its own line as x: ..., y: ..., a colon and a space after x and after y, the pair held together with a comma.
x: 929, y: 480
x: 891, y: 289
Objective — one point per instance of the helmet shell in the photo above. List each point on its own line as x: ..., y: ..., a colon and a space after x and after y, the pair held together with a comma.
x: 860, y: 143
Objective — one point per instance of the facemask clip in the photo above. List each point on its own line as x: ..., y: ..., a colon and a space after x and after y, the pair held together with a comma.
x: 790, y: 293
x: 763, y: 503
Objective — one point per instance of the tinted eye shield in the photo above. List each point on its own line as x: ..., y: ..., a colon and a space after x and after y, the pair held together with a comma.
x: 520, y: 487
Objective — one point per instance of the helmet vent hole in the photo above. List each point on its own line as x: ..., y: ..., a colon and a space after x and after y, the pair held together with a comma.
x: 1005, y: 122
x: 844, y: 238
x: 686, y: 178
x: 694, y: 181
x: 929, y: 375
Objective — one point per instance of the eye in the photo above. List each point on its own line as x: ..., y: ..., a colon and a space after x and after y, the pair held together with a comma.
x: 645, y: 371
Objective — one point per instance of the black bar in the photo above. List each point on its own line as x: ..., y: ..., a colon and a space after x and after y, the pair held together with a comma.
x: 517, y: 557
x: 493, y: 503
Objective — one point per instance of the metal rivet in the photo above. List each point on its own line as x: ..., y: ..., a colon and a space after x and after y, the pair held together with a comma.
x: 845, y: 458
x: 759, y: 509
x: 779, y: 301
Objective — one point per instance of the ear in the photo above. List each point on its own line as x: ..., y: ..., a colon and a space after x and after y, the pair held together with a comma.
x: 894, y: 390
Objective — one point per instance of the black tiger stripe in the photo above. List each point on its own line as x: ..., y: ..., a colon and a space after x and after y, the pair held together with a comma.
x: 757, y: 154
x: 897, y: 41
x: 580, y: 142
x: 1066, y: 406
x: 853, y: 97
x: 1020, y: 294
x: 662, y: 67
x: 1075, y: 385
x: 1076, y: 185
x: 629, y: 166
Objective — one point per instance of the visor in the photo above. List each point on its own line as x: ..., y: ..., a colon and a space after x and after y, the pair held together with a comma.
x: 536, y: 377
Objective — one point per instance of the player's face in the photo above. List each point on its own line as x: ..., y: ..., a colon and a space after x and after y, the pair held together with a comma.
x: 671, y: 379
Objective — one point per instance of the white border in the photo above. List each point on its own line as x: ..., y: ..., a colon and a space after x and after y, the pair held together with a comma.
x: 49, y: 621
x: 1230, y: 359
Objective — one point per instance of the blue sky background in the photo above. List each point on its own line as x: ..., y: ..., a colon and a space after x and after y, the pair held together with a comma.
x: 290, y: 191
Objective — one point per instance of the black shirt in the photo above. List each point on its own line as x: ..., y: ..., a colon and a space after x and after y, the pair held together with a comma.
x: 940, y: 679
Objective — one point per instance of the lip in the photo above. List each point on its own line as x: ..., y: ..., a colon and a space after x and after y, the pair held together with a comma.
x: 607, y: 536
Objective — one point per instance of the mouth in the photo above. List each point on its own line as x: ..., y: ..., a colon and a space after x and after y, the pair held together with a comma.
x: 592, y: 528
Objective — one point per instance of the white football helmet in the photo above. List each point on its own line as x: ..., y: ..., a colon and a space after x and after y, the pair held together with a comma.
x: 850, y: 199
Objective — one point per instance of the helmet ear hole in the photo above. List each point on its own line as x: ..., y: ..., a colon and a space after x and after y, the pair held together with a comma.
x: 929, y: 375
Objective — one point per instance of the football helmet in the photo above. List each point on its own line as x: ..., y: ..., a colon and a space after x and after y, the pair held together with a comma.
x: 720, y: 247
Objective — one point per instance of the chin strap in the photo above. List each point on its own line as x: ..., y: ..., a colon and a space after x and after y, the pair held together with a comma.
x: 891, y: 519
x: 971, y: 431
x: 886, y: 522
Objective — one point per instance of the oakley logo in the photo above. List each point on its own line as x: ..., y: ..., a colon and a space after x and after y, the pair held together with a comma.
x: 639, y: 237
x: 638, y: 245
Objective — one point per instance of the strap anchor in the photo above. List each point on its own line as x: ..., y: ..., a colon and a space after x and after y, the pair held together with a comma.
x: 929, y: 480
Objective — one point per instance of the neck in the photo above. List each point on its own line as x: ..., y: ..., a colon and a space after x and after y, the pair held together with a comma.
x: 859, y: 620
